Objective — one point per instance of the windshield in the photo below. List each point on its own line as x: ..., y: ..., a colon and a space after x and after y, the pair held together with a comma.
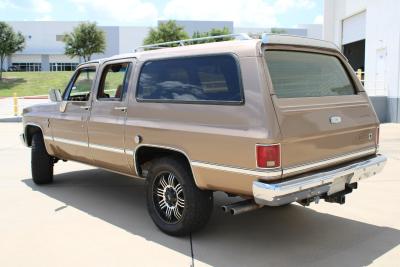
x: 303, y: 74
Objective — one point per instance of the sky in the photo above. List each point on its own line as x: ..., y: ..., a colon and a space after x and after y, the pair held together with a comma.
x: 244, y: 13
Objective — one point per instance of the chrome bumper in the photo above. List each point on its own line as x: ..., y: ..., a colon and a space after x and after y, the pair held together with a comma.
x: 326, y: 182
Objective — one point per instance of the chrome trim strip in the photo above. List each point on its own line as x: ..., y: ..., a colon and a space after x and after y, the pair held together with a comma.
x: 71, y: 142
x: 47, y: 137
x: 164, y: 147
x: 277, y: 194
x: 94, y: 146
x: 272, y: 173
x: 329, y: 161
x: 129, y: 152
x: 122, y: 173
x: 107, y: 148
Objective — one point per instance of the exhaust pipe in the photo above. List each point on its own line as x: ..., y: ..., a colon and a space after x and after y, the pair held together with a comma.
x: 241, y: 207
x: 227, y: 208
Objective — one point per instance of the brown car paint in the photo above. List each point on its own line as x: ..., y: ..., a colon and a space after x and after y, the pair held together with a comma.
x: 220, y: 136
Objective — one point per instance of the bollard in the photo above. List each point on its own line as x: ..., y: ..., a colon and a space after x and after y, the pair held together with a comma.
x: 359, y: 74
x: 15, y: 105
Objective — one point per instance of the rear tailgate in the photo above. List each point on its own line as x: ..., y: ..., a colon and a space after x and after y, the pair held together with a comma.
x: 324, y: 116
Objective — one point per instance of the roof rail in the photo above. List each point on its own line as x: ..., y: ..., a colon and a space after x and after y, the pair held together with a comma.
x: 238, y: 36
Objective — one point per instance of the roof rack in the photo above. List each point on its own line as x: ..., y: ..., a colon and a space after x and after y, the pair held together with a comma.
x: 237, y: 36
x: 266, y: 38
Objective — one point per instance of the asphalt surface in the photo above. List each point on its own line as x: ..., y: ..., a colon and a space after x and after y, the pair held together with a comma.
x: 91, y: 217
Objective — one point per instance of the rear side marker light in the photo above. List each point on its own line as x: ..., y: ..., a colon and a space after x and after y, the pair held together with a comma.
x: 377, y: 136
x: 268, y: 156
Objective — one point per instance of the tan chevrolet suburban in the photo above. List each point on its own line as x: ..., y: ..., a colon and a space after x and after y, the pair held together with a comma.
x: 274, y: 120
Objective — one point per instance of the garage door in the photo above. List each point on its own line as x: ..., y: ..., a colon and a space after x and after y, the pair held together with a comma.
x: 353, y: 28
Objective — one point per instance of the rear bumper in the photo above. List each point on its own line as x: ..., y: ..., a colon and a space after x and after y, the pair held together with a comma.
x: 316, y: 184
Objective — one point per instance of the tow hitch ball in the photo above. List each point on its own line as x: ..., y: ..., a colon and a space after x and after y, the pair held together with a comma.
x: 339, y: 197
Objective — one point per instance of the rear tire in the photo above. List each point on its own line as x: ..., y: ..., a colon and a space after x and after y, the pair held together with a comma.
x: 41, y: 162
x: 175, y: 204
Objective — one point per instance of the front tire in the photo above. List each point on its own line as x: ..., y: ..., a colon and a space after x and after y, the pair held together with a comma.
x: 175, y: 204
x: 41, y: 162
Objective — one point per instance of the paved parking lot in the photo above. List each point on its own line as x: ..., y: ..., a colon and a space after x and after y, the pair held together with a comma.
x: 7, y: 106
x: 91, y: 217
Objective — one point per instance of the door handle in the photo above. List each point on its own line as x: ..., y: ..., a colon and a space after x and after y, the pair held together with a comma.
x: 85, y: 107
x: 120, y: 108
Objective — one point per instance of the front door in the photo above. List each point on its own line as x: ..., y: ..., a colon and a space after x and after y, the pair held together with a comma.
x: 69, y: 126
x: 106, y: 125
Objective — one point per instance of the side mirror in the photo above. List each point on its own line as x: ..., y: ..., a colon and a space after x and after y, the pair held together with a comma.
x: 55, y: 95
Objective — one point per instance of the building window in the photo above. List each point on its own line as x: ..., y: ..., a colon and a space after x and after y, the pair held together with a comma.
x: 60, y: 37
x: 28, y: 66
x: 63, y: 66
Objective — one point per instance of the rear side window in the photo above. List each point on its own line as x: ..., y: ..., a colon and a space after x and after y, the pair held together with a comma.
x: 191, y: 79
x: 302, y: 74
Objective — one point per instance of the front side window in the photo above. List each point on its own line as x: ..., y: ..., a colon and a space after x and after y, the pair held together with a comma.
x: 113, y: 82
x: 79, y: 89
x: 302, y: 74
x: 191, y: 79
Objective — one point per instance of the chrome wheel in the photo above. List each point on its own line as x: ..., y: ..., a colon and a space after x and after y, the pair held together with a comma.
x: 168, y: 197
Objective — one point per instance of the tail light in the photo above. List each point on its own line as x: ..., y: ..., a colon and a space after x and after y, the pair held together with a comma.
x: 268, y: 156
x: 377, y: 136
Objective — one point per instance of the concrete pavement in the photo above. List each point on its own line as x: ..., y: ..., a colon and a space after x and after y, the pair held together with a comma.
x: 7, y: 107
x: 91, y: 217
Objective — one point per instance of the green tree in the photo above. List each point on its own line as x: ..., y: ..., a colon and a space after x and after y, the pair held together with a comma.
x: 278, y: 31
x: 213, y: 32
x: 85, y: 40
x: 10, y: 42
x: 166, y: 32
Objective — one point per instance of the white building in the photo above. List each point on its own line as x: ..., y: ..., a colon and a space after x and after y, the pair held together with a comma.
x: 192, y: 26
x: 368, y: 31
x: 259, y: 31
x: 44, y: 49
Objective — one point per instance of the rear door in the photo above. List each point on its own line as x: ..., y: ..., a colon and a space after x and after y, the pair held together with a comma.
x: 324, y: 116
x: 106, y: 125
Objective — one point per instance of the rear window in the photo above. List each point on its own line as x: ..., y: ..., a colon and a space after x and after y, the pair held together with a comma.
x: 191, y: 79
x: 302, y: 74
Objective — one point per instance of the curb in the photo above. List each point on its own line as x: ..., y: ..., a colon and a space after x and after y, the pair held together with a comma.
x: 11, y: 119
x: 27, y: 97
x: 34, y: 97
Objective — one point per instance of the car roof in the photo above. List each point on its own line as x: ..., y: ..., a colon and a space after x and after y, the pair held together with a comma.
x: 242, y: 48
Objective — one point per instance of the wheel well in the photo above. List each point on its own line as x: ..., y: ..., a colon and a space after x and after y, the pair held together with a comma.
x: 30, y: 130
x: 146, y: 154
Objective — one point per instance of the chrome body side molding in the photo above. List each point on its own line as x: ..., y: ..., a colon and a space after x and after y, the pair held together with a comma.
x: 276, y: 173
x: 264, y: 174
x: 70, y: 142
x: 163, y: 147
x: 358, y: 154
